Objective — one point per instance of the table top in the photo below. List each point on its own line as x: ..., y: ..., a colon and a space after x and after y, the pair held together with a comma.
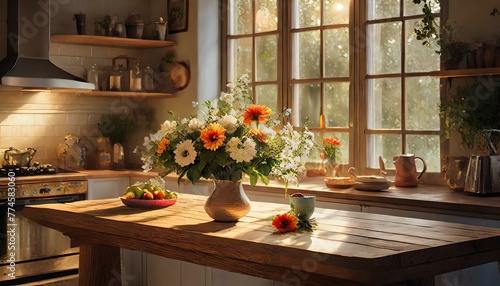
x: 362, y: 248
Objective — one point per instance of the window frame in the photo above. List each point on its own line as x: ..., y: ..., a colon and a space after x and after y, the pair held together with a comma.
x: 358, y: 93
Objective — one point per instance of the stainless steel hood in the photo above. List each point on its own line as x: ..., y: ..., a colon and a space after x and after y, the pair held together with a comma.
x: 28, y: 46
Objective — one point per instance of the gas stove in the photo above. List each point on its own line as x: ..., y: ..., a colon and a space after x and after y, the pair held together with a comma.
x: 35, y: 169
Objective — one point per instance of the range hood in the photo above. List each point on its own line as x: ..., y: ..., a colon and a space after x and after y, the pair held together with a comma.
x: 27, y: 63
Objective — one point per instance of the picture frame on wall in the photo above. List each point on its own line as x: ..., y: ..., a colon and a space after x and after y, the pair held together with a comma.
x: 177, y: 16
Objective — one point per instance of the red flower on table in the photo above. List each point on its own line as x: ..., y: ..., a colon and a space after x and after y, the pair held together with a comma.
x: 285, y: 222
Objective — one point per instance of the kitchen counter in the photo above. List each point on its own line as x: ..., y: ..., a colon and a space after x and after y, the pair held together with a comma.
x: 425, y: 198
x: 348, y: 248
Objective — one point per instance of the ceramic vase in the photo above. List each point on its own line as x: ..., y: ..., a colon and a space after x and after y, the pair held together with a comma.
x: 228, y: 201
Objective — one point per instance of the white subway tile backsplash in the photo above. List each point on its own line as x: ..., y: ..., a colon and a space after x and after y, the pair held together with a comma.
x: 63, y: 130
x: 27, y: 119
x: 56, y: 119
x: 5, y: 131
x: 11, y: 119
x: 77, y: 119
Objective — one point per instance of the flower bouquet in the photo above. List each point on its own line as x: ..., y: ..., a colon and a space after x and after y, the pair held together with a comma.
x: 230, y: 137
x: 331, y: 154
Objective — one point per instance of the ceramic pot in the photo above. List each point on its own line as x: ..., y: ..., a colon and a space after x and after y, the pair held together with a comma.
x: 303, y: 207
x: 228, y: 201
x: 455, y: 172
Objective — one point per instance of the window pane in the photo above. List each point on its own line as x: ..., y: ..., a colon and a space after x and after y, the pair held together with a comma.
x: 422, y: 103
x: 240, y: 17
x: 336, y: 12
x: 384, y: 103
x: 420, y: 58
x: 267, y: 95
x: 306, y: 55
x: 381, y: 9
x: 266, y: 18
x: 337, y: 104
x: 382, y: 145
x: 427, y: 147
x: 384, y: 48
x: 307, y: 103
x: 306, y: 13
x: 266, y: 58
x: 337, y: 52
x: 240, y: 58
x: 416, y: 9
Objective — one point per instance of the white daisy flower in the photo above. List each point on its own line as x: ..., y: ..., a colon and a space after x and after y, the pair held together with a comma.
x: 185, y: 153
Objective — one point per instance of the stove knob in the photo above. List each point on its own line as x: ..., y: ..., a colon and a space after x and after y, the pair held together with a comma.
x: 26, y: 193
x: 35, y: 192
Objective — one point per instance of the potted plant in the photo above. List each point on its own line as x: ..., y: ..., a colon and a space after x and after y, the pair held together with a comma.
x: 471, y: 110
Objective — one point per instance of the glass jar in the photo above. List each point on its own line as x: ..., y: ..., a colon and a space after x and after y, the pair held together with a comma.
x: 148, y: 79
x: 93, y: 76
x: 136, y: 77
x: 103, y: 152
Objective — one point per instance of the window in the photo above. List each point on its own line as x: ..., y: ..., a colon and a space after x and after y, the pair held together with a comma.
x: 350, y: 68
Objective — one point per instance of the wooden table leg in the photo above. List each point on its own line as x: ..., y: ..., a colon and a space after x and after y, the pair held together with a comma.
x: 99, y: 265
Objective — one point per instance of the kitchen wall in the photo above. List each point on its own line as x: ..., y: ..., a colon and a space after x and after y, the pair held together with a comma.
x: 42, y: 119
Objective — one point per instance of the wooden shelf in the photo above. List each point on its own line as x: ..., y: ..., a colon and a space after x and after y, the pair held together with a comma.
x: 128, y: 94
x: 110, y: 41
x: 469, y: 72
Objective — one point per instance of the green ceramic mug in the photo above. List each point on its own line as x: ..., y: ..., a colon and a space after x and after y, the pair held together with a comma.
x: 303, y: 206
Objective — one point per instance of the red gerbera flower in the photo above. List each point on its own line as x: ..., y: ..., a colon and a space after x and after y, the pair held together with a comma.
x: 213, y: 136
x: 285, y: 222
x: 257, y: 113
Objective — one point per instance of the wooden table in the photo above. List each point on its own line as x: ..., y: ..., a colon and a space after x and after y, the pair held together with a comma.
x: 348, y: 248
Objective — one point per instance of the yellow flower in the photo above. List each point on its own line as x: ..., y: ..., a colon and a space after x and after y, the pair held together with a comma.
x: 213, y: 136
x: 257, y: 113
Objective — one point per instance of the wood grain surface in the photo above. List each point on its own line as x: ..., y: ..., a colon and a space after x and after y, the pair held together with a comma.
x: 348, y: 248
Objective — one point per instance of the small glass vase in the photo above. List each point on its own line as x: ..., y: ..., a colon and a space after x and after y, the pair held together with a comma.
x: 331, y: 167
x: 228, y: 201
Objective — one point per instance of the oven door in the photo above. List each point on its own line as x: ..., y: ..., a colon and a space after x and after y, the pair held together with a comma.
x: 31, y: 252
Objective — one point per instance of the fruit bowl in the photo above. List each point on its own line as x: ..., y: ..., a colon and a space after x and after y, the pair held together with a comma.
x: 148, y: 204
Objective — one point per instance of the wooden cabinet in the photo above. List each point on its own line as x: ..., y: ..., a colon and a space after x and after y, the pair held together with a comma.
x: 105, y: 188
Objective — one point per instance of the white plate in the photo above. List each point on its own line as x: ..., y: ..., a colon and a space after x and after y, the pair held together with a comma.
x: 370, y: 179
x: 372, y: 186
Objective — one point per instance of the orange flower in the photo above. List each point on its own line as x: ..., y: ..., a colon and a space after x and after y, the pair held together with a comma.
x: 285, y: 222
x: 213, y: 136
x: 162, y: 146
x: 258, y: 113
x: 261, y: 137
x: 332, y: 141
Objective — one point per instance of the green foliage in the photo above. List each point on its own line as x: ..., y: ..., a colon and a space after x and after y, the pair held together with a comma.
x: 117, y: 127
x: 471, y: 110
x: 428, y: 28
